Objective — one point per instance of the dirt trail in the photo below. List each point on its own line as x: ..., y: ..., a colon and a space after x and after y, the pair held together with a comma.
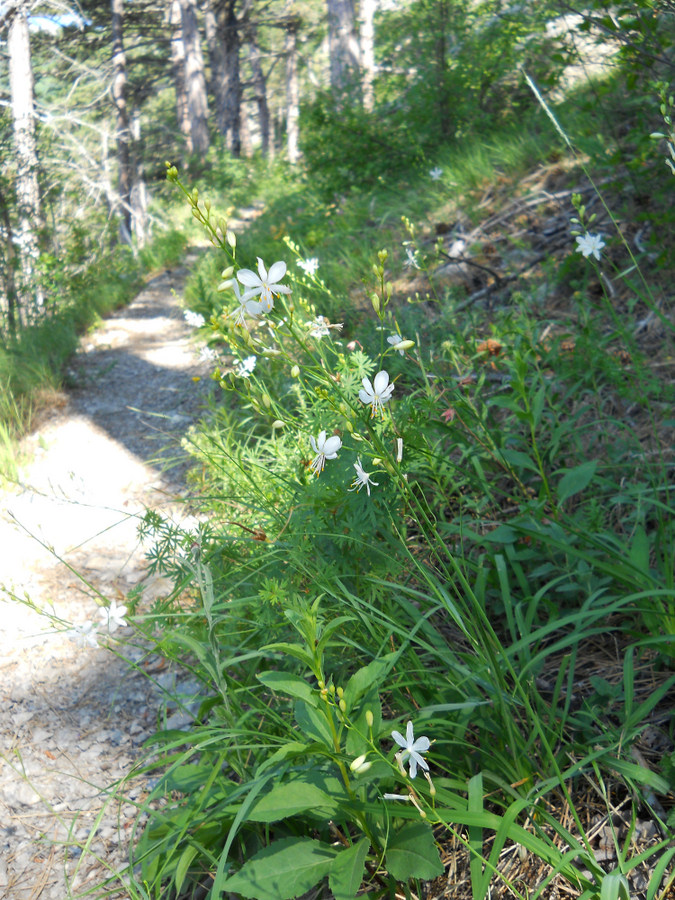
x: 72, y: 718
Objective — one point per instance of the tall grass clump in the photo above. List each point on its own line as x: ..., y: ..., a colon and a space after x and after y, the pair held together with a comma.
x: 414, y: 541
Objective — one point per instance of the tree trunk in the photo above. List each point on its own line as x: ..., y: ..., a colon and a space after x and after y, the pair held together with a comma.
x: 123, y: 135
x: 27, y: 189
x: 139, y: 192
x: 260, y: 88
x: 195, y: 80
x: 12, y: 314
x: 178, y: 70
x: 367, y: 42
x: 228, y: 26
x: 292, y: 93
x: 343, y: 46
x: 218, y: 65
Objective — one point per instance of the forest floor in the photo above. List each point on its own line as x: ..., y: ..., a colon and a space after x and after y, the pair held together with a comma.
x: 72, y: 718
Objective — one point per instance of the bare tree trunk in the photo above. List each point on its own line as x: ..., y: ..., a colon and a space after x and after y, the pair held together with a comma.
x: 123, y: 134
x: 292, y: 92
x: 13, y: 311
x: 178, y: 70
x: 195, y: 80
x: 27, y: 189
x: 229, y: 27
x: 367, y: 42
x: 139, y: 192
x: 245, y: 132
x: 260, y: 88
x: 218, y: 65
x: 343, y: 45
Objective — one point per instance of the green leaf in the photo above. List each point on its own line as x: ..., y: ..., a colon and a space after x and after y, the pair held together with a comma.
x: 293, y: 685
x: 292, y: 748
x: 519, y: 460
x: 183, y: 865
x: 369, y: 677
x: 637, y: 773
x: 290, y: 800
x: 282, y: 871
x: 293, y: 650
x: 346, y: 872
x: 614, y: 887
x: 313, y: 724
x: 575, y: 480
x: 412, y: 853
x: 638, y: 553
x: 357, y: 736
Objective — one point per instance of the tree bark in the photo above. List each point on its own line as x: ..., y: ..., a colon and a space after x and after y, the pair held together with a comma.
x: 367, y: 43
x: 139, y: 191
x: 27, y: 188
x: 292, y: 92
x: 195, y: 79
x: 260, y: 88
x: 343, y: 46
x: 123, y: 134
x: 228, y: 26
x: 218, y: 66
x: 178, y: 70
x: 12, y: 313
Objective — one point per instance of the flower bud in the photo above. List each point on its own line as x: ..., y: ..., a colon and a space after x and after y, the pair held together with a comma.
x: 195, y: 196
x: 266, y: 401
x: 321, y: 683
x: 369, y: 718
x: 404, y: 345
x: 382, y: 255
x: 358, y: 762
x: 231, y: 238
x: 343, y: 705
x: 295, y: 371
x: 228, y: 272
x: 340, y: 692
x: 389, y: 289
x: 207, y: 206
x: 277, y: 423
x: 375, y: 300
x: 225, y: 285
x: 196, y: 213
x: 271, y: 352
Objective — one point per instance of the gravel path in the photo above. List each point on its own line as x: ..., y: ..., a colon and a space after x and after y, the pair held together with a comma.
x: 72, y: 719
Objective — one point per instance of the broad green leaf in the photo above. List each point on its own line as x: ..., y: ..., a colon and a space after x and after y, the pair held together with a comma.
x: 479, y: 881
x: 638, y: 773
x: 346, y: 872
x: 368, y: 677
x: 290, y: 800
x: 292, y: 748
x: 519, y: 460
x: 282, y: 871
x: 575, y: 480
x: 293, y: 685
x: 357, y: 736
x: 293, y: 650
x: 312, y: 722
x: 412, y: 853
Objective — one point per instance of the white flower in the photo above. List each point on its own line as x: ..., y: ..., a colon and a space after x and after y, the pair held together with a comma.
x: 394, y: 339
x: 207, y: 354
x: 590, y: 245
x: 362, y: 479
x: 251, y: 307
x: 246, y: 367
x: 412, y: 748
x: 113, y: 616
x: 321, y: 327
x: 309, y: 265
x: 324, y: 448
x: 436, y: 173
x: 377, y: 393
x: 411, y: 261
x: 84, y: 635
x: 195, y: 320
x: 265, y: 284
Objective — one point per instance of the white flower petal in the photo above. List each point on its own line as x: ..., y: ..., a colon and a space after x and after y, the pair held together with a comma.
x: 262, y: 271
x: 381, y: 381
x: 276, y: 272
x: 249, y: 278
